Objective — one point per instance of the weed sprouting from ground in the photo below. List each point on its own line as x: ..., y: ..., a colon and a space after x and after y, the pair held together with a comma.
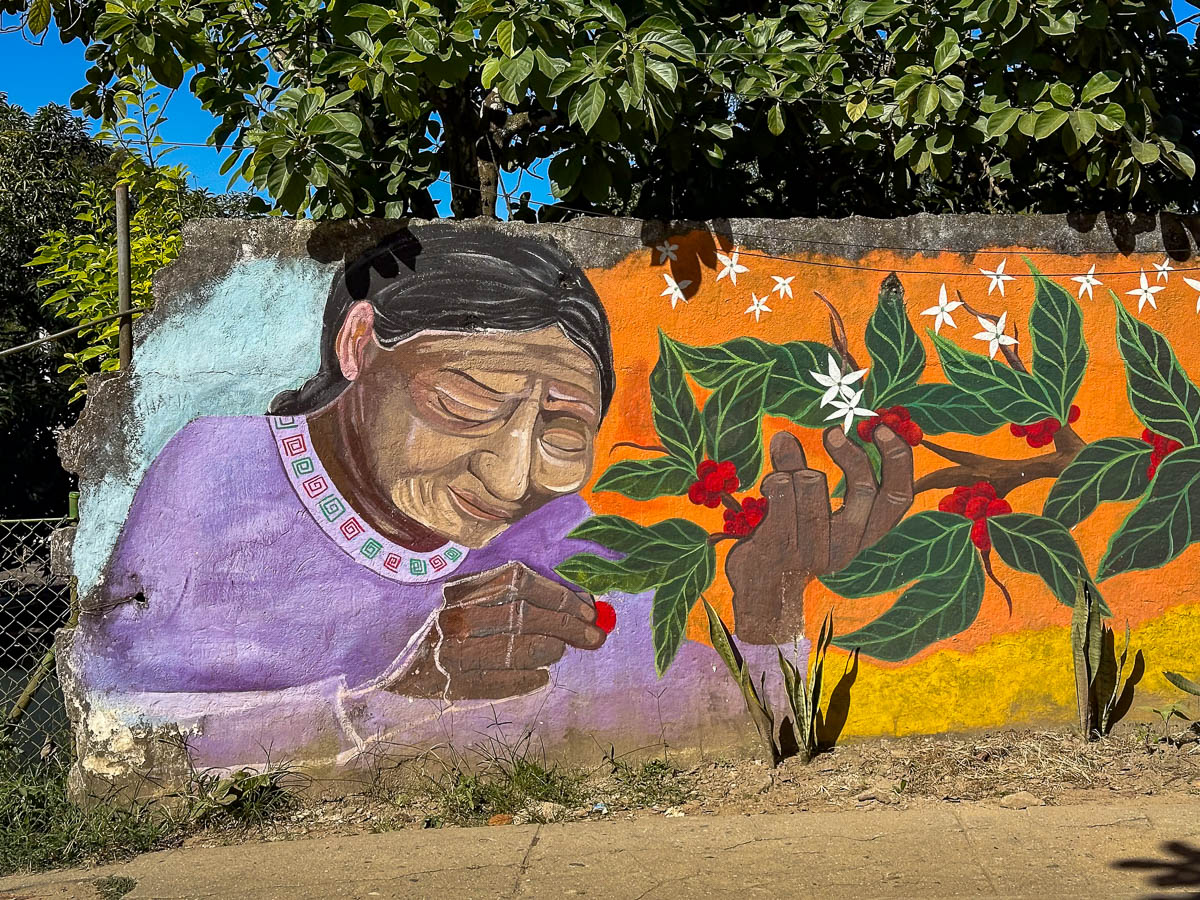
x: 501, y: 784
x: 652, y: 783
x: 41, y: 828
x: 114, y: 887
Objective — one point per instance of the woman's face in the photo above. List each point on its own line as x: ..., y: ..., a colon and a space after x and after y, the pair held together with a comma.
x: 467, y: 433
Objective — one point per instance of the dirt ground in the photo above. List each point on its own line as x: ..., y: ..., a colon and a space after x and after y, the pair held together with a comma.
x: 1010, y: 769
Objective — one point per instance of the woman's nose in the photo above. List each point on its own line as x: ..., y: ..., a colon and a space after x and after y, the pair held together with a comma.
x: 503, y: 464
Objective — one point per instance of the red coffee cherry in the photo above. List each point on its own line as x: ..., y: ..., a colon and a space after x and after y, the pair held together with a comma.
x: 606, y: 617
x: 896, y: 418
x: 976, y: 502
x: 980, y: 537
x: 741, y: 523
x: 712, y: 479
x: 1039, y: 434
x: 1163, y: 446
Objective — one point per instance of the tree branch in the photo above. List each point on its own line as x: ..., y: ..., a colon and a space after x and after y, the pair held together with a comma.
x: 1005, y: 475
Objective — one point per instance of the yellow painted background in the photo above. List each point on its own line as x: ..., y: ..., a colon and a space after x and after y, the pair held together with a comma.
x: 1005, y: 669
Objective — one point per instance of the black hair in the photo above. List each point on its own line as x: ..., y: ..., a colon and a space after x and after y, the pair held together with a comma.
x: 450, y: 278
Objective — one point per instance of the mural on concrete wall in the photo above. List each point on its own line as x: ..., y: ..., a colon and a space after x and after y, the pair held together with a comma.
x: 502, y: 497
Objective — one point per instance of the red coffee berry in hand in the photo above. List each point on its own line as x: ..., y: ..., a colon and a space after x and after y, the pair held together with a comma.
x: 980, y: 537
x: 606, y: 617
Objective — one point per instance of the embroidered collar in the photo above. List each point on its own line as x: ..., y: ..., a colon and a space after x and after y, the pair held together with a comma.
x: 346, y: 528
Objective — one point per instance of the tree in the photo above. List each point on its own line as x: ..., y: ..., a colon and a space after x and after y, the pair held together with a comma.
x: 673, y: 108
x: 42, y: 159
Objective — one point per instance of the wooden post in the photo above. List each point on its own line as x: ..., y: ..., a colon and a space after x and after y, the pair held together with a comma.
x: 124, y: 280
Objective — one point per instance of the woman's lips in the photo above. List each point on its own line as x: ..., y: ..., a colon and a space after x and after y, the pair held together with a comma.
x: 472, y: 506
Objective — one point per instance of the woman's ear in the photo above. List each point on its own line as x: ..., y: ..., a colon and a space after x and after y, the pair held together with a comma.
x: 353, y: 338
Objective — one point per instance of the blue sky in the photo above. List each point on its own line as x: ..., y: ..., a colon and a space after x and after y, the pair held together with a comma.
x: 35, y: 75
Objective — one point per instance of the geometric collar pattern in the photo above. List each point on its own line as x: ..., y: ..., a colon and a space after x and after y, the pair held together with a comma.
x: 345, y: 527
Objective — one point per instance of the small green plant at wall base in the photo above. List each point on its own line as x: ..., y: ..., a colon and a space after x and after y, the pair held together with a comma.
x: 803, y: 693
x: 1184, y: 684
x: 1102, y: 692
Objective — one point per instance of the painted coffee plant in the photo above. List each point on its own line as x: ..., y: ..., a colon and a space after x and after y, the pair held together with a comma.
x: 939, y: 559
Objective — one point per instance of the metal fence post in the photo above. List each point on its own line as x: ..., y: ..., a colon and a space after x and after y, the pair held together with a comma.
x: 124, y: 279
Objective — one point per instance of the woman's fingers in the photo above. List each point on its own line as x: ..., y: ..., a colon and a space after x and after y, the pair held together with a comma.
x: 895, y: 484
x: 499, y: 651
x: 787, y: 455
x: 850, y: 522
x: 520, y: 617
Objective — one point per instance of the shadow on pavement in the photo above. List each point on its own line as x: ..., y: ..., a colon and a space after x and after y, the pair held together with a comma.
x: 1179, y: 867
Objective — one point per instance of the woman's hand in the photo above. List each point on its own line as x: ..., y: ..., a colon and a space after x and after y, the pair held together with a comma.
x: 496, y: 635
x: 801, y: 537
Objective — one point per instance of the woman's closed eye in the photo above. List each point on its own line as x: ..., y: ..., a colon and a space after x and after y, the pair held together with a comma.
x: 474, y: 409
x: 564, y: 439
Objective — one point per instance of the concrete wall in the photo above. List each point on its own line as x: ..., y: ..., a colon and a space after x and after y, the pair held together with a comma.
x: 503, y: 465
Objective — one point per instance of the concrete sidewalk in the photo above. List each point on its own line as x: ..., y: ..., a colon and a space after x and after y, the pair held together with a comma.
x: 1147, y: 848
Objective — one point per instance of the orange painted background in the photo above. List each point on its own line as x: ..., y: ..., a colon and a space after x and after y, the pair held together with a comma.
x: 716, y: 311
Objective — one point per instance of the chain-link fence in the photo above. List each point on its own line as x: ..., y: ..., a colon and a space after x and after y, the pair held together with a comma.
x: 34, y: 603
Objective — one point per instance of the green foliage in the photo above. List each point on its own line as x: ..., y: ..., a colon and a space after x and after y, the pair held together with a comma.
x: 733, y: 422
x: 896, y: 350
x: 42, y: 159
x: 672, y: 109
x: 1102, y: 692
x: 1043, y: 547
x: 757, y: 704
x: 82, y: 269
x: 1110, y: 469
x: 44, y: 829
x: 1059, y: 353
x: 674, y: 557
x: 1184, y: 684
x: 1162, y: 396
x: 804, y: 693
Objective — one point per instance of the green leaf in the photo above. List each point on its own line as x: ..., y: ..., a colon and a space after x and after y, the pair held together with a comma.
x: 1062, y: 94
x: 775, y: 120
x: 896, y: 351
x: 598, y: 575
x: 922, y: 546
x: 903, y: 145
x: 1059, y: 352
x: 1100, y: 84
x: 645, y: 479
x: 671, y: 43
x: 791, y: 391
x: 733, y: 422
x: 673, y: 601
x: 929, y: 611
x: 517, y: 68
x: 942, y: 408
x: 673, y: 406
x: 1010, y: 394
x: 1163, y: 524
x: 509, y: 38
x: 1042, y: 547
x: 1048, y: 122
x: 586, y: 106
x: 614, y: 532
x: 1083, y: 123
x: 653, y: 555
x: 38, y: 19
x: 1144, y: 151
x: 1184, y: 684
x: 945, y: 56
x: 1002, y: 121
x: 1160, y: 392
x: 1108, y: 470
